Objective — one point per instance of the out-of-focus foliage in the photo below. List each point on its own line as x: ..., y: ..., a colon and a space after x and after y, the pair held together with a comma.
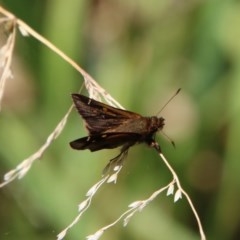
x: 141, y: 52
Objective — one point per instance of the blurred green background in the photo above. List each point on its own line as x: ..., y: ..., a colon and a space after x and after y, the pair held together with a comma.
x: 141, y: 52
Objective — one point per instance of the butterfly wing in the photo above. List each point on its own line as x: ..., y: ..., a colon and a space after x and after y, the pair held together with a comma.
x: 100, y: 117
x: 105, y: 141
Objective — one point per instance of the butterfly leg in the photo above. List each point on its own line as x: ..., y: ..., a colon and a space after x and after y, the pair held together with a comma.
x: 155, y: 145
x: 118, y: 160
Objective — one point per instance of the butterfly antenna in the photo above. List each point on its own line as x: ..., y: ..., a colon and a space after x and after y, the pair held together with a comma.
x: 169, y: 139
x: 170, y: 99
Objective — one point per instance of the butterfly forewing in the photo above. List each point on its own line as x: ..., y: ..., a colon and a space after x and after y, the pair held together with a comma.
x: 100, y: 117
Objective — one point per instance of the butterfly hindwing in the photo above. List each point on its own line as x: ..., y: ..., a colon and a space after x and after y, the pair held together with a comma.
x: 105, y: 141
